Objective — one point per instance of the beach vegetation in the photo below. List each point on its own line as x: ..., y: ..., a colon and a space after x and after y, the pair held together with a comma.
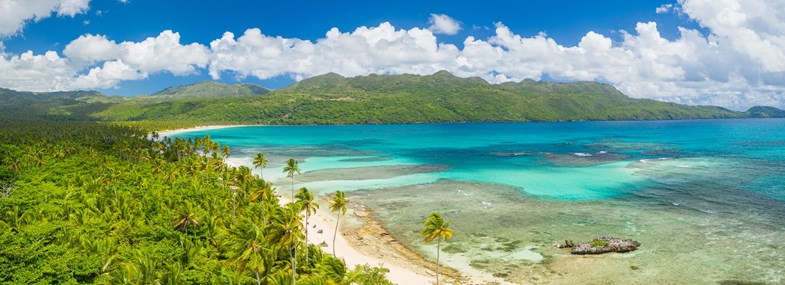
x: 338, y: 204
x: 109, y: 204
x: 435, y: 228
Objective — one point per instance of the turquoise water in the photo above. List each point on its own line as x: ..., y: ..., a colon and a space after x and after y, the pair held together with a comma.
x: 569, y: 161
x: 702, y: 196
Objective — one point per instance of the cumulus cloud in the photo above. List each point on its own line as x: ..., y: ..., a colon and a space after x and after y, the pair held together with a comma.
x: 740, y: 63
x: 664, y: 8
x: 14, y: 14
x: 381, y: 49
x: 161, y: 53
x: 443, y: 24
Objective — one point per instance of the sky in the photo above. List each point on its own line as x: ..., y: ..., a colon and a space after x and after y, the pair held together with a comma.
x: 729, y: 53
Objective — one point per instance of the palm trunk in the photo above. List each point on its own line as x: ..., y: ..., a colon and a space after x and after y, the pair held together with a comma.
x: 264, y: 217
x: 292, y: 201
x: 294, y: 266
x: 438, y: 250
x: 335, y: 233
x: 234, y: 206
x: 306, y: 237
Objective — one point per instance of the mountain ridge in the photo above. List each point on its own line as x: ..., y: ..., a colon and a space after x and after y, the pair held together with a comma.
x: 205, y: 89
x: 368, y: 99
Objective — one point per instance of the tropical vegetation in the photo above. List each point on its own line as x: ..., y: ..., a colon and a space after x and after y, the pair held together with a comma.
x: 111, y: 204
x: 374, y: 99
x: 434, y: 227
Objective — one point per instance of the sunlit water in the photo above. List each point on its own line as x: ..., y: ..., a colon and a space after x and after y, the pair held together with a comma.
x: 701, y: 196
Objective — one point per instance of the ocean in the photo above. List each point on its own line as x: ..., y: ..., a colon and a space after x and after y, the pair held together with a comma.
x: 705, y: 198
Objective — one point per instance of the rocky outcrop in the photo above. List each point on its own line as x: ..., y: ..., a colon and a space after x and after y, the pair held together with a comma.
x: 605, y: 244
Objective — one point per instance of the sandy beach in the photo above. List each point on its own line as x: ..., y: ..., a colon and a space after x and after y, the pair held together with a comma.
x: 362, y: 240
x: 402, y: 270
x: 199, y: 128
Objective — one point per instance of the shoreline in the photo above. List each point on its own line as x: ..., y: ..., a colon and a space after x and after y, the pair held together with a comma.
x: 405, y: 268
x: 198, y: 128
x: 366, y: 242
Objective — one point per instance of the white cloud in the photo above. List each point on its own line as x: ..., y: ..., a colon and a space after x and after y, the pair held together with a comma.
x: 162, y: 53
x: 443, y: 24
x: 108, y: 76
x: 381, y: 49
x: 72, y: 7
x: 664, y: 8
x: 740, y: 63
x: 36, y: 72
x: 14, y: 14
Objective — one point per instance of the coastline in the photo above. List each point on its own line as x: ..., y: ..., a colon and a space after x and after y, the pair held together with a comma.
x: 354, y: 247
x: 197, y: 128
x: 364, y: 240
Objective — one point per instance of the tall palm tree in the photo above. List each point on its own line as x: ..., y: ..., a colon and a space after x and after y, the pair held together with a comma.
x: 260, y: 161
x: 248, y: 246
x: 225, y: 152
x: 261, y: 192
x: 288, y: 232
x: 306, y: 200
x: 436, y: 228
x: 338, y: 204
x: 291, y: 168
x: 244, y: 177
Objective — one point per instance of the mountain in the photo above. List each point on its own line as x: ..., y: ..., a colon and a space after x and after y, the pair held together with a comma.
x: 372, y: 99
x: 59, y: 106
x: 205, y: 89
x: 765, y: 112
x: 441, y: 97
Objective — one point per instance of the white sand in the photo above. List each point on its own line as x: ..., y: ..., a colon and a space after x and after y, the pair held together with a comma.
x: 325, y: 221
x: 199, y: 128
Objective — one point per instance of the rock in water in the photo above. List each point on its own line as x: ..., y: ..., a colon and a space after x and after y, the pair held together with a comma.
x: 605, y: 244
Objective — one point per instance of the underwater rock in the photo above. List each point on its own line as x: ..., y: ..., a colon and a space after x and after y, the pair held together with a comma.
x: 605, y: 244
x: 567, y: 244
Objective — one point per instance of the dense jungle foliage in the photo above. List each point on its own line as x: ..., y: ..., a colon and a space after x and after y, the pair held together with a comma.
x: 111, y: 204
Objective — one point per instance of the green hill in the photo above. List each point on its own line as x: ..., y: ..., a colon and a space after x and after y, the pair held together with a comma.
x: 765, y: 112
x: 205, y: 89
x: 372, y: 99
x: 441, y: 97
x: 53, y: 106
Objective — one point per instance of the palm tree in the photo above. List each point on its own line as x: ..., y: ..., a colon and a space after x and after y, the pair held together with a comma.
x: 244, y: 177
x: 225, y: 152
x: 15, y: 165
x: 247, y: 247
x: 260, y: 161
x: 185, y: 217
x: 292, y: 167
x: 288, y: 233
x: 262, y: 192
x: 338, y: 204
x: 305, y: 198
x: 436, y: 228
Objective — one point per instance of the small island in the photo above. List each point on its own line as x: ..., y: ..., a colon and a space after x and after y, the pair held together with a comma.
x: 601, y: 245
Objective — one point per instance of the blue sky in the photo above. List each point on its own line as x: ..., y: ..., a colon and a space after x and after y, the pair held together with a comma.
x: 204, y: 21
x: 640, y: 34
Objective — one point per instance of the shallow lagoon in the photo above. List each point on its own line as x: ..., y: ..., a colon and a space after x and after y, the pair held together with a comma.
x: 701, y: 196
